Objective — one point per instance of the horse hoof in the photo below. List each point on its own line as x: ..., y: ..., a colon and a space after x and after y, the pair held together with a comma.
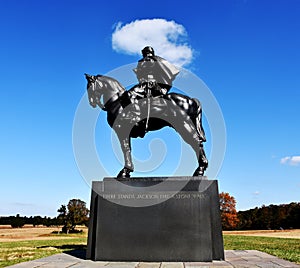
x: 199, y: 171
x: 124, y: 173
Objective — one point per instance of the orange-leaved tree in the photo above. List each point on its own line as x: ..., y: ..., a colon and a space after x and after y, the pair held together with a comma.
x: 229, y: 216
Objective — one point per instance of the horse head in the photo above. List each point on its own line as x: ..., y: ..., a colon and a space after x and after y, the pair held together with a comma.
x: 95, y: 90
x: 101, y: 89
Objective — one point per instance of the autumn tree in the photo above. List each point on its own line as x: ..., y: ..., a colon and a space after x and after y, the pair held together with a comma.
x: 75, y: 213
x: 229, y: 216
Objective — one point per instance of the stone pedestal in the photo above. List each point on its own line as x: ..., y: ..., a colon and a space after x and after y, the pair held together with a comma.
x: 155, y: 219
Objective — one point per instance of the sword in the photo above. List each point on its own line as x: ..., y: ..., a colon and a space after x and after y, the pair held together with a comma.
x: 149, y: 84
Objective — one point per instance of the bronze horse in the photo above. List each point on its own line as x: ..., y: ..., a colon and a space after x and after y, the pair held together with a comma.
x: 132, y: 116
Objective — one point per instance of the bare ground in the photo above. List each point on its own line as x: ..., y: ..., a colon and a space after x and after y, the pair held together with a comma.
x: 8, y: 234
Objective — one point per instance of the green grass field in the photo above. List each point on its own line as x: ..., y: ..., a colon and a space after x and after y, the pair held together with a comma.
x: 15, y: 252
x: 284, y: 248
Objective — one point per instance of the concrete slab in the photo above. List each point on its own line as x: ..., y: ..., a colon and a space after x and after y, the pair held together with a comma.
x: 172, y: 265
x: 149, y: 265
x: 234, y: 258
x: 122, y: 264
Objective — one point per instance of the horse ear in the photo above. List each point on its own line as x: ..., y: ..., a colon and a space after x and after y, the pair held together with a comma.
x: 90, y: 78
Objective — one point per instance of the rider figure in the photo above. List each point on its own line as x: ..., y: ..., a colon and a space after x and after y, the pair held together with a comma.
x: 154, y: 73
x: 155, y: 76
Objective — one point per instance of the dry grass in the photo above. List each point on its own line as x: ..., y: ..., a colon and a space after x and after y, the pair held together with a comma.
x: 8, y: 234
x: 267, y: 233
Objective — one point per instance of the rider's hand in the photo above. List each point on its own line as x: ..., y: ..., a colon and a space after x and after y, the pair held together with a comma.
x: 163, y: 91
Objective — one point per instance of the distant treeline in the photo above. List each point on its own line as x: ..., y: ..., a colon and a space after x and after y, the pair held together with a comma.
x: 75, y: 213
x: 270, y: 217
x: 263, y: 218
x: 18, y: 221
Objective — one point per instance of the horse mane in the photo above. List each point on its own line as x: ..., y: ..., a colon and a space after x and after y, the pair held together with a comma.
x: 112, y: 82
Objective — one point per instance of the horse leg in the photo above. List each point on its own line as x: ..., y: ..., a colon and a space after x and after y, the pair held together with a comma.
x: 202, y: 162
x: 191, y: 136
x: 201, y: 157
x: 126, y: 149
x: 198, y: 120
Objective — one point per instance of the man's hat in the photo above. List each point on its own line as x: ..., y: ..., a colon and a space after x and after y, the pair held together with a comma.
x: 147, y: 49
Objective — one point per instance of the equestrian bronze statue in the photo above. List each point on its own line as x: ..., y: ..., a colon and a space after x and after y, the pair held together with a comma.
x: 148, y: 106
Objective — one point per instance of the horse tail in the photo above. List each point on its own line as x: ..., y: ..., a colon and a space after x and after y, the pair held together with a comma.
x: 198, y: 119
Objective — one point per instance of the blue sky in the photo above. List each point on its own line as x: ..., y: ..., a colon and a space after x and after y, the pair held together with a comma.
x: 246, y: 52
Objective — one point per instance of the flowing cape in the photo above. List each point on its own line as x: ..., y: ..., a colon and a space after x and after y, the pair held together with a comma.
x: 161, y: 70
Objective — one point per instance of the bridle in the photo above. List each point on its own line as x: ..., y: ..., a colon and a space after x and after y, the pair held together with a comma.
x: 95, y: 100
x: 96, y: 89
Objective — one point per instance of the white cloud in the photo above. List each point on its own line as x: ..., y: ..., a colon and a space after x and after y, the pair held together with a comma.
x: 290, y: 160
x: 168, y: 39
x: 284, y: 160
